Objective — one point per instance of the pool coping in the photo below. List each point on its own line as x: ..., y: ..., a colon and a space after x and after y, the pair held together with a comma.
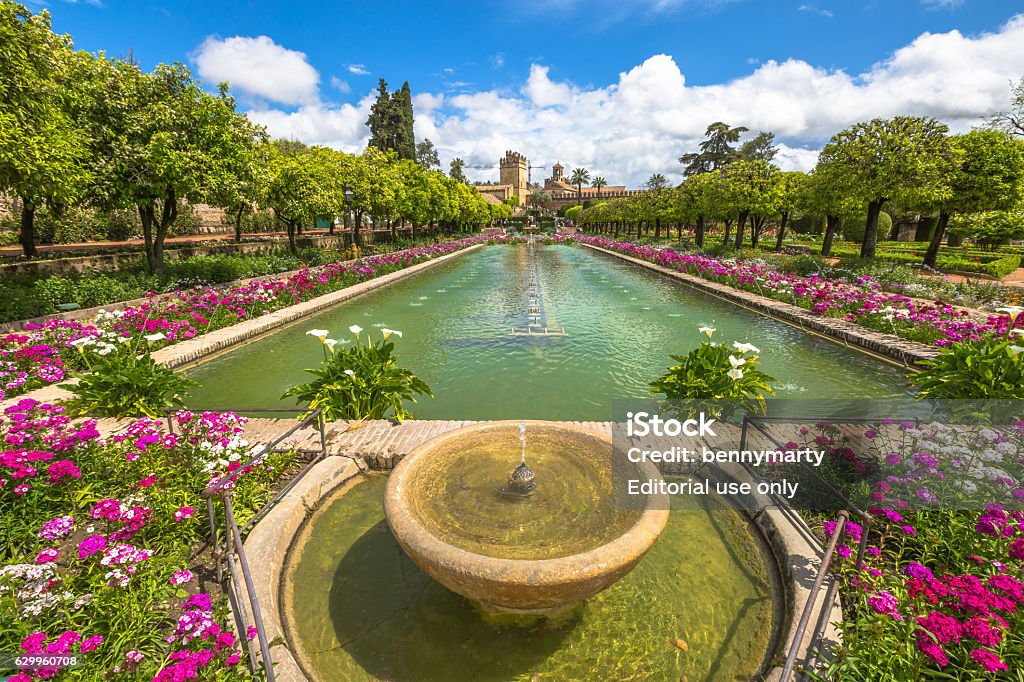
x: 796, y: 552
x: 888, y: 347
x: 204, y: 346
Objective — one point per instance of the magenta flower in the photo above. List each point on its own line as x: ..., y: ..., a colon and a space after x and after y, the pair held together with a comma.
x: 184, y: 513
x: 988, y: 660
x: 91, y: 545
x: 48, y: 555
x: 57, y: 527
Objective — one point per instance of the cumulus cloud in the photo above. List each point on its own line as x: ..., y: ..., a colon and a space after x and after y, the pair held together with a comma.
x: 258, y: 67
x: 640, y: 123
x: 358, y: 69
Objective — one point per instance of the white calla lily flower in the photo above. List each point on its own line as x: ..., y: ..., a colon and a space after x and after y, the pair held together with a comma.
x: 735, y: 374
x: 1011, y: 310
x: 355, y: 329
x: 736, y: 362
x: 1016, y: 350
x: 388, y: 332
x: 745, y: 347
x: 318, y: 333
x: 350, y: 372
x: 153, y: 338
x: 330, y: 343
x: 707, y: 330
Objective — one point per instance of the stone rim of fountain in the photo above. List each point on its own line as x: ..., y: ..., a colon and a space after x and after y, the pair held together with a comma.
x: 553, y: 584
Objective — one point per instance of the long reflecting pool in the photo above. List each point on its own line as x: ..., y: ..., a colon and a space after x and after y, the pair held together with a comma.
x: 620, y: 324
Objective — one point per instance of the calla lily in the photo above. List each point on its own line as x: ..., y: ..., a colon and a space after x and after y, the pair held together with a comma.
x: 330, y: 343
x: 1011, y: 310
x: 388, y: 332
x: 82, y: 342
x: 736, y: 362
x: 319, y: 333
x: 707, y: 330
x: 735, y: 374
x: 350, y: 372
x: 355, y: 329
x: 1016, y: 350
x: 153, y: 338
x: 745, y: 347
x: 1016, y: 332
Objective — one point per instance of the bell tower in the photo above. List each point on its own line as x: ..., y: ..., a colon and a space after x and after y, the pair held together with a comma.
x: 513, y: 171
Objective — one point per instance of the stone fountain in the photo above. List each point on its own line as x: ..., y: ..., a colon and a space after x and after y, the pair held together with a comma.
x: 531, y: 546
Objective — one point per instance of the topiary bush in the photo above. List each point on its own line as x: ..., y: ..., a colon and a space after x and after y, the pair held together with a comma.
x: 852, y: 227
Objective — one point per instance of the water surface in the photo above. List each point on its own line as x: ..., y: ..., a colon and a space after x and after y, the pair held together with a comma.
x: 621, y: 322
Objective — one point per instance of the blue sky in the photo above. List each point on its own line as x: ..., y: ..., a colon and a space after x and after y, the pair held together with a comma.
x: 490, y: 78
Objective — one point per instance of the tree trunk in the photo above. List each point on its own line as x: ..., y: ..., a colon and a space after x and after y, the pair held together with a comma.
x: 740, y: 224
x: 831, y: 227
x: 657, y: 228
x: 698, y: 235
x: 867, y: 247
x: 932, y: 255
x: 27, y: 237
x: 357, y: 233
x: 146, y: 215
x: 728, y: 231
x: 782, y: 231
x: 238, y: 223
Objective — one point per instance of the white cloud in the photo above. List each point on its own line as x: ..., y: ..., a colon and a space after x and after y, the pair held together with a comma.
x: 358, y: 69
x: 942, y: 4
x: 340, y: 85
x: 640, y: 123
x: 258, y: 67
x: 816, y: 10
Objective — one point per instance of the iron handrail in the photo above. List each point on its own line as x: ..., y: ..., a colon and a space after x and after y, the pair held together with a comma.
x: 233, y: 544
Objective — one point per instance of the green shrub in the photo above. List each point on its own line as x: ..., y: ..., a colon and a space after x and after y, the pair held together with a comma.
x: 990, y: 368
x: 714, y: 372
x: 120, y: 382
x: 361, y: 382
x: 808, y: 224
x: 852, y: 227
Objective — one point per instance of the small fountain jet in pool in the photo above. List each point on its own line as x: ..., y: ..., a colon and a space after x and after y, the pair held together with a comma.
x: 522, y: 481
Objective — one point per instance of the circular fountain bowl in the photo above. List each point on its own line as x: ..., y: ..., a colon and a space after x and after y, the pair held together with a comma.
x: 541, y: 554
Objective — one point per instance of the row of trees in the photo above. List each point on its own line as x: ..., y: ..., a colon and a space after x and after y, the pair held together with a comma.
x: 83, y: 129
x: 909, y: 162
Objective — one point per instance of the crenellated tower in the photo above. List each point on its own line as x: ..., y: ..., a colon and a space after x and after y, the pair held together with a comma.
x: 514, y: 171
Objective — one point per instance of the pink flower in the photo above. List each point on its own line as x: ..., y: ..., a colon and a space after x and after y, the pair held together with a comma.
x: 147, y: 481
x: 183, y: 513
x: 134, y: 656
x: 91, y: 644
x: 48, y: 555
x: 57, y: 527
x: 988, y: 660
x: 33, y: 644
x: 181, y: 577
x: 91, y: 545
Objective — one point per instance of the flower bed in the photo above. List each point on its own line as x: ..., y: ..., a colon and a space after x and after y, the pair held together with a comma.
x: 861, y: 300
x: 42, y: 354
x: 100, y: 556
x: 939, y: 594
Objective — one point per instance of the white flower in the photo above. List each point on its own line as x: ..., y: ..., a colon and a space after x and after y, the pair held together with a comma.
x: 1016, y: 332
x: 745, y: 347
x: 388, y: 332
x: 82, y: 342
x: 1011, y: 310
x: 318, y: 333
x: 355, y: 329
x: 1016, y: 350
x: 707, y: 330
x: 735, y: 374
x: 330, y: 343
x: 350, y: 372
x: 736, y: 362
x: 153, y: 338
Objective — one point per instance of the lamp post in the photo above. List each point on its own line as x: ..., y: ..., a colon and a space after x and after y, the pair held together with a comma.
x: 348, y: 196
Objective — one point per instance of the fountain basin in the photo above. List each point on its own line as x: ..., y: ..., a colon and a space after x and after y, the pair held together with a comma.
x: 542, y: 554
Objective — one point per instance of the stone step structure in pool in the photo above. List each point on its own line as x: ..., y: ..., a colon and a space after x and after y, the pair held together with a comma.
x: 538, y: 321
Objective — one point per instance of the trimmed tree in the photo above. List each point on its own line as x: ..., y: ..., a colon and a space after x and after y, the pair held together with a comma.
x: 907, y: 159
x: 988, y: 177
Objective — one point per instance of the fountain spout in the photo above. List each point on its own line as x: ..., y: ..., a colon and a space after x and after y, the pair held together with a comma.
x: 523, y: 480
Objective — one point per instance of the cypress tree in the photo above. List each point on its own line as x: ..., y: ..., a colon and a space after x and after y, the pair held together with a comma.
x: 380, y: 120
x: 405, y: 138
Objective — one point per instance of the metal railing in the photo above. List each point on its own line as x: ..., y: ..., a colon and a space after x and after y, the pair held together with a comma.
x: 232, y: 545
x: 848, y: 509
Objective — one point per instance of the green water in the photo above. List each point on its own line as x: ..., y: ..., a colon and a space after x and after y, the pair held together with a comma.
x: 621, y: 324
x: 457, y: 495
x: 358, y: 609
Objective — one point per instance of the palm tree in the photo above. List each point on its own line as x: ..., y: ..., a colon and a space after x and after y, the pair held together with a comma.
x: 580, y: 177
x: 656, y: 182
x: 598, y: 183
